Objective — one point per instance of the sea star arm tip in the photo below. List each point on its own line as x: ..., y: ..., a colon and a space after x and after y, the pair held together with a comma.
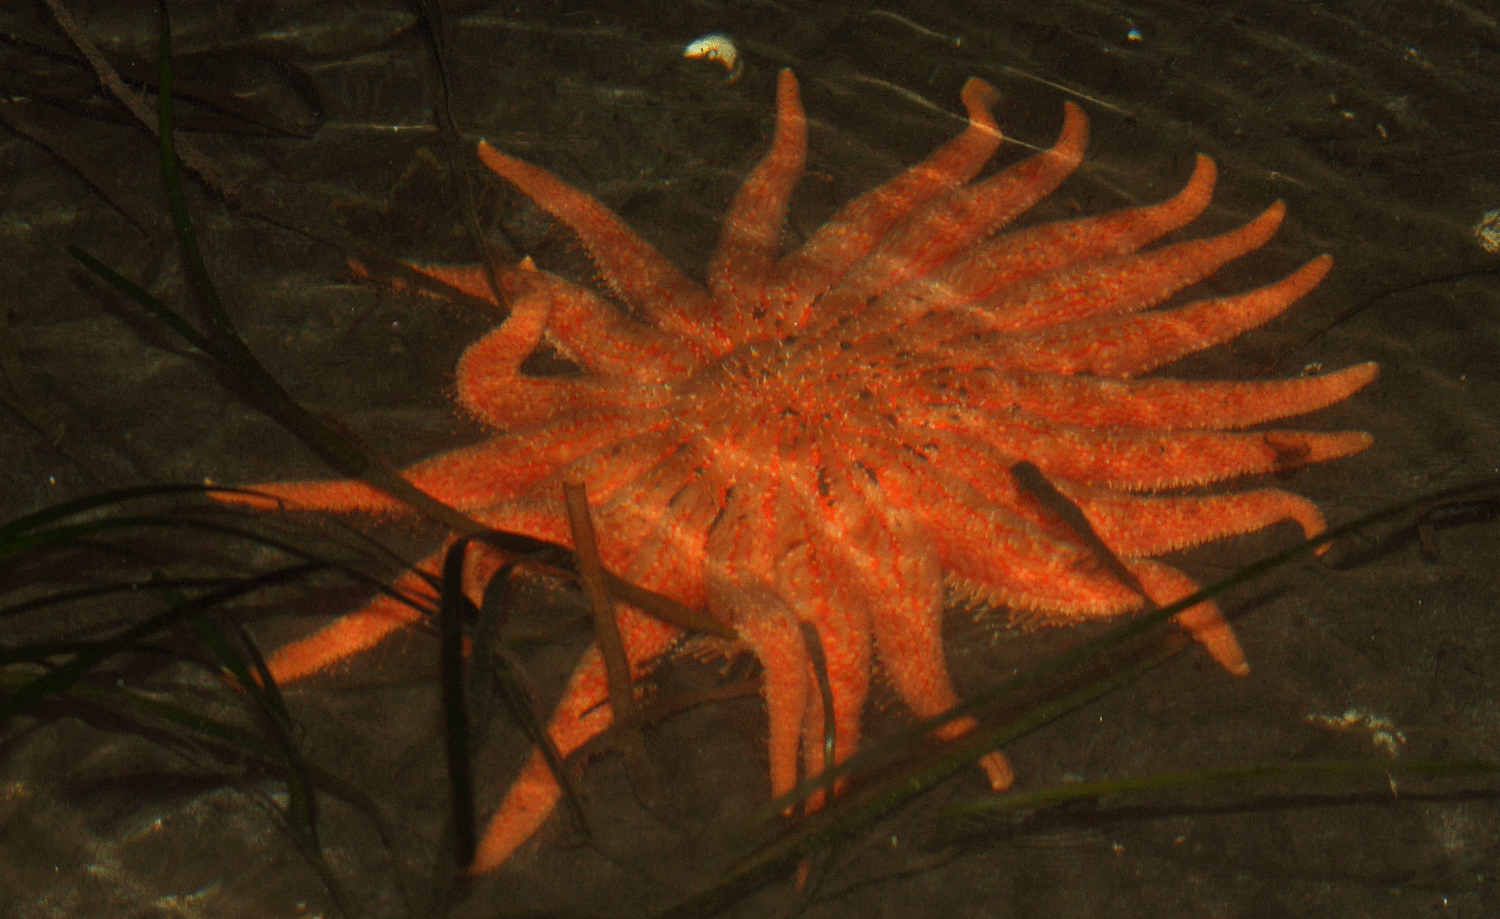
x: 979, y: 98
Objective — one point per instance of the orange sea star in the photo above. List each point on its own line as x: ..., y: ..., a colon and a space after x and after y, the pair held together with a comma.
x: 826, y: 436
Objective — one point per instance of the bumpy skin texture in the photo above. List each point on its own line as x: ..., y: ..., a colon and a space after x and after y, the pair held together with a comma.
x: 826, y: 436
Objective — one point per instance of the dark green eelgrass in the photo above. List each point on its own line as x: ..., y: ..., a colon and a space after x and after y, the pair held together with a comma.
x: 457, y: 616
x: 33, y: 671
x: 1231, y: 775
x: 454, y: 610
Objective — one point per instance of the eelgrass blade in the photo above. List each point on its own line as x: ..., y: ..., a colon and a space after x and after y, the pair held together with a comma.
x: 19, y: 392
x: 192, y: 259
x: 65, y: 675
x: 1033, y: 482
x: 269, y: 693
x: 135, y: 587
x: 625, y: 713
x: 458, y: 148
x: 70, y: 533
x: 1231, y: 775
x: 228, y: 349
x: 561, y: 558
x: 300, y: 802
x: 454, y: 609
x: 127, y: 706
x: 66, y: 509
x: 73, y: 532
x: 26, y: 534
x: 819, y: 662
x: 513, y: 693
x: 668, y: 610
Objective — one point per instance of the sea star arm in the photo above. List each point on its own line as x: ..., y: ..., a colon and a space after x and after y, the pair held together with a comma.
x: 656, y: 520
x: 947, y: 225
x: 596, y: 335
x: 770, y: 630
x: 817, y: 585
x: 1124, y: 285
x: 358, y: 631
x: 631, y: 267
x: 1010, y: 259
x: 1166, y: 585
x: 993, y: 556
x: 1158, y: 403
x: 851, y: 233
x: 740, y: 569
x: 494, y: 470
x: 581, y: 715
x: 451, y: 476
x: 1146, y: 461
x: 740, y: 269
x: 997, y: 547
x: 1140, y: 527
x: 586, y: 328
x: 809, y: 571
x: 673, y: 556
x: 330, y: 494
x: 900, y: 581
x: 491, y: 385
x: 1133, y: 460
x: 361, y: 630
x: 1124, y: 346
x: 1133, y: 526
x: 515, y: 402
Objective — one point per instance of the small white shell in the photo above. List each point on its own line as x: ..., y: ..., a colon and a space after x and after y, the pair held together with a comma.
x: 716, y: 46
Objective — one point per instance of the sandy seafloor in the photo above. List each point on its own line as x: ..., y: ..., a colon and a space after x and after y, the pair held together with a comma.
x: 1376, y: 123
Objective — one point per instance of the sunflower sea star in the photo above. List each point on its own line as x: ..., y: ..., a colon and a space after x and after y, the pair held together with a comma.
x: 826, y: 436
